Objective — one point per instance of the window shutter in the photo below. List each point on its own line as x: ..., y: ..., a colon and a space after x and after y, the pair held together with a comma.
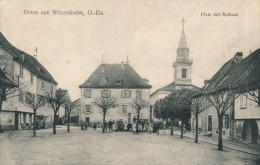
x: 122, y: 92
x: 84, y: 93
x: 101, y: 93
x: 109, y: 93
x: 129, y: 94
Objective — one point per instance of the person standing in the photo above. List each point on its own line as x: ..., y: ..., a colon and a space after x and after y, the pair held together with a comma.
x: 113, y: 126
x: 105, y: 126
x: 82, y: 126
x: 95, y: 126
x: 110, y: 123
x: 86, y: 126
x: 134, y: 127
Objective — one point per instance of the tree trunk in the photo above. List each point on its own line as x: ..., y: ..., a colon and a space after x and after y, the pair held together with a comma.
x: 54, y: 123
x: 172, y: 126
x: 167, y: 121
x: 104, y: 119
x: 197, y: 128
x: 181, y: 129
x: 138, y: 112
x: 1, y: 104
x: 220, y: 125
x: 68, y: 122
x: 34, y: 123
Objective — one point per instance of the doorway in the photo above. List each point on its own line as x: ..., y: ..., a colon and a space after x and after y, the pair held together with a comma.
x: 250, y: 131
x: 210, y: 123
x: 87, y: 120
x: 16, y: 120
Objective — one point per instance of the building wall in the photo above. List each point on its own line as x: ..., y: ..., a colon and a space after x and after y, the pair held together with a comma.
x: 205, y: 122
x: 116, y: 113
x: 14, y: 105
x: 246, y: 109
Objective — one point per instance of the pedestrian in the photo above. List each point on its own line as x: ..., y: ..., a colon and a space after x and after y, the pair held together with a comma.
x: 86, y: 126
x: 113, y: 126
x: 125, y: 126
x: 110, y: 123
x: 95, y: 126
x: 134, y: 127
x: 82, y: 126
x: 105, y: 127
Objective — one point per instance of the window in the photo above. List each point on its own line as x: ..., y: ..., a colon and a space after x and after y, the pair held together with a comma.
x: 243, y: 101
x: 21, y: 71
x: 118, y: 82
x: 28, y: 98
x: 138, y: 94
x: 24, y: 117
x: 31, y: 78
x: 20, y: 95
x: 87, y: 93
x: 184, y: 73
x: 42, y: 84
x: 105, y: 93
x: 103, y: 81
x: 124, y: 108
x: 30, y: 118
x: 226, y: 121
x: 126, y: 94
x: 88, y: 109
x: 51, y: 90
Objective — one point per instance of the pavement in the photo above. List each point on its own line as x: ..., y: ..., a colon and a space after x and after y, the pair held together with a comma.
x: 118, y: 148
x: 240, y: 146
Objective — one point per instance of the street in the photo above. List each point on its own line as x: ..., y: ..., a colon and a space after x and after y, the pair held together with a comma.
x: 94, y: 147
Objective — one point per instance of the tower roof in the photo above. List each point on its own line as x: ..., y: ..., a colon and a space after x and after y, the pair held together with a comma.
x: 182, y: 43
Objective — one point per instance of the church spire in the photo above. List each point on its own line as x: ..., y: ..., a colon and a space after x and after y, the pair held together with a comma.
x: 182, y: 43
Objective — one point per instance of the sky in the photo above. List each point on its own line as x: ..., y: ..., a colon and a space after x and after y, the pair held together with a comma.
x: 71, y: 47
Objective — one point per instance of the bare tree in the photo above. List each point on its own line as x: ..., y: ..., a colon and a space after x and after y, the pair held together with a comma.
x: 138, y: 105
x: 34, y: 103
x: 198, y: 105
x: 69, y: 106
x: 8, y: 89
x: 56, y: 102
x: 222, y: 100
x: 105, y: 103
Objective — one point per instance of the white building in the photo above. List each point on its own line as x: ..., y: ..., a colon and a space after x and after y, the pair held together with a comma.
x: 113, y: 80
x: 35, y: 80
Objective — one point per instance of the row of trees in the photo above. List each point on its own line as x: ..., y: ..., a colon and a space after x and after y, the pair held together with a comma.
x: 61, y: 99
x: 110, y: 102
x: 182, y: 103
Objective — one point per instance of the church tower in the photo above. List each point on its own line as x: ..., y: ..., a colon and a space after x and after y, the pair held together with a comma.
x: 182, y: 64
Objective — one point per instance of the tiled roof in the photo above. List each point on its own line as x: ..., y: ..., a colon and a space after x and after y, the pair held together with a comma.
x: 28, y: 62
x: 172, y: 86
x: 116, y: 76
x: 237, y: 73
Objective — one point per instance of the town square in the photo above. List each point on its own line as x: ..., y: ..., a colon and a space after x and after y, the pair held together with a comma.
x: 120, y: 82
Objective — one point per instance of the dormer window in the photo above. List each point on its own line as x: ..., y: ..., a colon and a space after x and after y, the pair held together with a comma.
x: 118, y: 82
x: 103, y: 81
x: 88, y: 82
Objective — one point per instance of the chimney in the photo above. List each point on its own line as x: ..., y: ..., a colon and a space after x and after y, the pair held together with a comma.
x: 122, y: 65
x: 238, y: 56
x: 206, y: 83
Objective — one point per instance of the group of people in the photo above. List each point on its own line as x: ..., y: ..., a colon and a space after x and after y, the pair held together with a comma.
x: 84, y: 126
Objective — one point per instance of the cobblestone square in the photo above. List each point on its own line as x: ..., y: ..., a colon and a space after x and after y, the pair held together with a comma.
x: 96, y: 148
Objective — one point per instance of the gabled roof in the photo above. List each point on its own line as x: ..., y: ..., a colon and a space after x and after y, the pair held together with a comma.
x: 172, y: 86
x: 28, y: 61
x: 237, y: 73
x: 116, y: 76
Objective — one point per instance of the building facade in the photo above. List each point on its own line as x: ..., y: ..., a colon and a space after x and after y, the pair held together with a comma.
x: 113, y: 80
x: 242, y: 120
x: 33, y: 78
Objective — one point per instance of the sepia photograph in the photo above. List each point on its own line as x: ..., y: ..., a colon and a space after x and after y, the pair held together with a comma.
x: 129, y: 82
